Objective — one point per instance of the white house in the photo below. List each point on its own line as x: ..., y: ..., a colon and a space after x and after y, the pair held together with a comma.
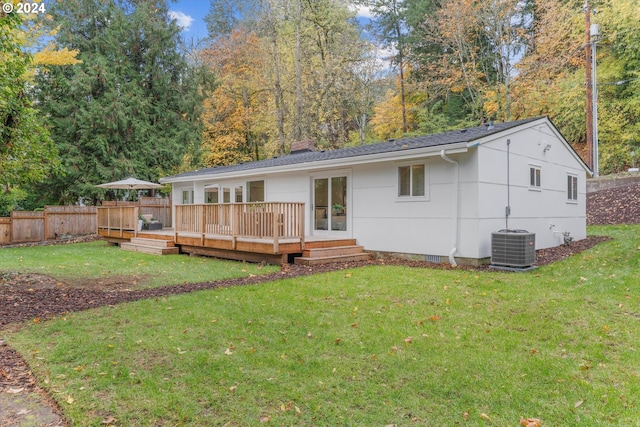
x: 430, y: 197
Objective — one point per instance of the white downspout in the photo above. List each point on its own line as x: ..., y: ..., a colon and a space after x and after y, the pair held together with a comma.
x: 452, y: 260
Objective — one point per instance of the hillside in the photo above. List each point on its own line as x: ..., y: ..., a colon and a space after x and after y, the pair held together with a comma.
x: 619, y: 205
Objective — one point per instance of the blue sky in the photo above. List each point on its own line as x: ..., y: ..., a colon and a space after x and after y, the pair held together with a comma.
x: 190, y: 16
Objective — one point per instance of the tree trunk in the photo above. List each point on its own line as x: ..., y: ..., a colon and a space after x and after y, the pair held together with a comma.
x: 278, y: 95
x: 298, y: 136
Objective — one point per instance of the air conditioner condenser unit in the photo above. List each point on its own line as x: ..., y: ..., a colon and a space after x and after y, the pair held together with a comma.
x: 513, y: 249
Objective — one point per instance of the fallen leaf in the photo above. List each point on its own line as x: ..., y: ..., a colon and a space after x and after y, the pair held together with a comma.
x: 309, y: 335
x: 578, y: 403
x: 109, y: 420
x: 23, y: 412
x: 15, y: 390
x: 265, y: 418
x: 465, y: 416
x: 408, y: 341
x: 232, y: 389
x: 434, y: 318
x: 347, y: 275
x: 228, y: 352
x: 485, y: 417
x: 70, y: 400
x: 530, y: 422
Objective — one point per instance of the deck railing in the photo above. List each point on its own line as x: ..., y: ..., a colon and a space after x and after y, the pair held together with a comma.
x: 118, y: 219
x: 272, y: 220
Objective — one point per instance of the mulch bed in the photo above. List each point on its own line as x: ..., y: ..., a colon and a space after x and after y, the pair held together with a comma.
x: 36, y: 297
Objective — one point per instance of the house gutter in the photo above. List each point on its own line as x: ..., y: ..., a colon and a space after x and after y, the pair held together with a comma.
x: 452, y: 260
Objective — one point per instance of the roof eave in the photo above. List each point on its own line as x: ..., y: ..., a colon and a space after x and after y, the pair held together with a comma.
x: 396, y: 156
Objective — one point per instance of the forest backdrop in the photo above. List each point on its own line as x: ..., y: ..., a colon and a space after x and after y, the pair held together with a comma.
x: 97, y: 90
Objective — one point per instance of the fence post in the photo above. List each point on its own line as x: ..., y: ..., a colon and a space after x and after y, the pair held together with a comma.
x: 45, y: 225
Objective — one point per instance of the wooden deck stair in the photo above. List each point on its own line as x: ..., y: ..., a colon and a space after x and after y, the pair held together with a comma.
x: 150, y: 246
x: 341, y: 252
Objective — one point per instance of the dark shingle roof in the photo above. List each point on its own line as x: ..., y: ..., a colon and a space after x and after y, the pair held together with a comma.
x: 445, y: 138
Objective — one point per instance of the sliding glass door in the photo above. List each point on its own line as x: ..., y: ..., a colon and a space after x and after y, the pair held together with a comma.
x: 330, y: 204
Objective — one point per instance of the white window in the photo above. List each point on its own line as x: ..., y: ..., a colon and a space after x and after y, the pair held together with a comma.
x: 187, y: 197
x: 412, y: 180
x: 255, y: 191
x: 212, y: 195
x: 534, y: 177
x: 572, y: 188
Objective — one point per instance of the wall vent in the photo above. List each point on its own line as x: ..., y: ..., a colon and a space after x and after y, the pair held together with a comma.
x: 513, y: 249
x: 434, y: 258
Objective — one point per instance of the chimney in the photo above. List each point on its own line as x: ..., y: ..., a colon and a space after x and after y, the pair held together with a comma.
x: 300, y: 147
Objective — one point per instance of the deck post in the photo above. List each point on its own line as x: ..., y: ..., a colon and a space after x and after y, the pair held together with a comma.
x: 234, y: 225
x: 108, y: 223
x: 276, y: 229
x: 121, y: 229
x: 203, y: 223
x: 301, y: 225
x: 136, y: 215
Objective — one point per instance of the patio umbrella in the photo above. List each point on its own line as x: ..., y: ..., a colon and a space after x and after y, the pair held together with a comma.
x: 130, y: 184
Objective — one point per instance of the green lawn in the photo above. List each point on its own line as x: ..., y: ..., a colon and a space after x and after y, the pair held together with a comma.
x: 372, y: 346
x: 76, y: 263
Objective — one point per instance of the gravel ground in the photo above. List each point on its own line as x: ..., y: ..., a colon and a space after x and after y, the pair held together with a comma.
x: 30, y: 296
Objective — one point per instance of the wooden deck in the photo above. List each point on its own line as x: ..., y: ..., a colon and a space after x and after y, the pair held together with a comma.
x: 274, y: 233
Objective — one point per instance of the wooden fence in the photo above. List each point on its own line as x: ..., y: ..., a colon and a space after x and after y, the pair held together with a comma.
x: 160, y: 208
x: 51, y: 224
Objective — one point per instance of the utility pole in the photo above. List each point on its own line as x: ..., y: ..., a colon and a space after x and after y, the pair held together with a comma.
x: 594, y: 100
x: 589, y: 82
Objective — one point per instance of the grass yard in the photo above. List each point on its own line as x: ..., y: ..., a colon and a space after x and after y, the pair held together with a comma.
x: 374, y: 346
x: 87, y: 264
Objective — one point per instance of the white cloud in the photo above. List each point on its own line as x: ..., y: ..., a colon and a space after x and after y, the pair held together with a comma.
x: 183, y: 20
x: 361, y: 11
x: 364, y: 12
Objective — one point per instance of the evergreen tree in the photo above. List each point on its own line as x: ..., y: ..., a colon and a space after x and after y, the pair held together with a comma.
x: 132, y: 107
